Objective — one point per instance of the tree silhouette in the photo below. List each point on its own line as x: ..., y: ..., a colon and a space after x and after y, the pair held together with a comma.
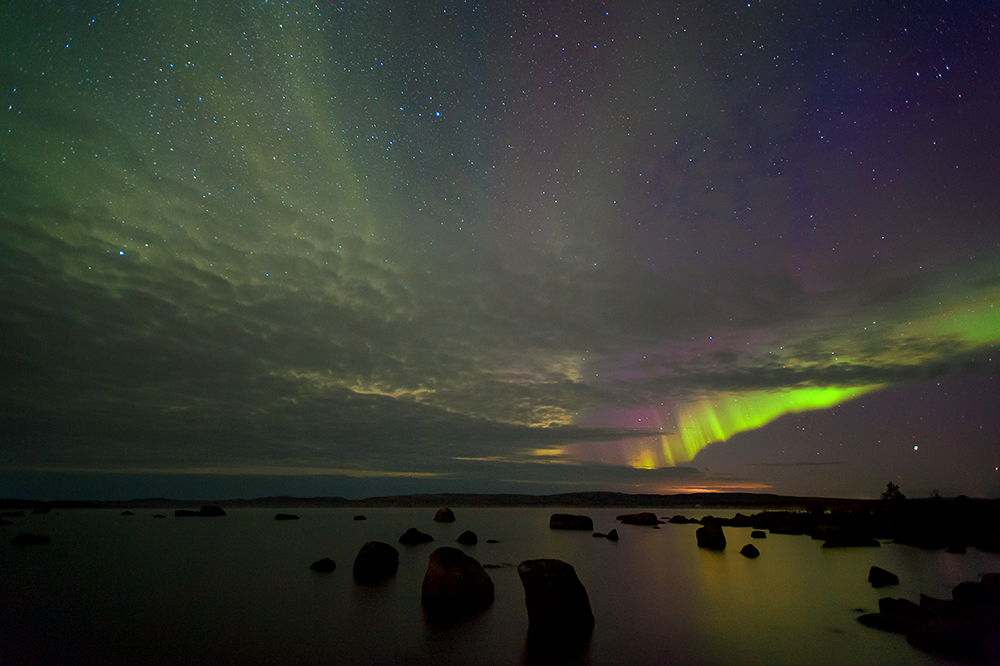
x: 892, y: 492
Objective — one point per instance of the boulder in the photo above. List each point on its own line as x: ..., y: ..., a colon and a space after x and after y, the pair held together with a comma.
x: 557, y: 602
x: 568, y: 521
x: 159, y: 515
x: 127, y: 513
x: 186, y: 513
x: 444, y: 515
x: 455, y: 583
x: 30, y: 539
x: 360, y: 517
x: 211, y: 511
x: 613, y: 535
x: 468, y: 538
x: 750, y: 551
x: 326, y: 565
x: 680, y: 520
x: 645, y: 518
x: 710, y: 536
x: 879, y: 577
x: 376, y: 561
x: 758, y: 534
x: 413, y: 536
x: 285, y: 516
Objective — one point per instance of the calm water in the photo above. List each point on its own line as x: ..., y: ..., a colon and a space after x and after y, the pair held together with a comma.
x: 237, y: 590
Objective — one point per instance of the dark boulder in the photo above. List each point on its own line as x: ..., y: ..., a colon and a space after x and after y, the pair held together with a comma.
x: 186, y: 513
x: 644, y: 518
x: 326, y: 565
x: 467, y: 538
x: 360, y: 517
x: 127, y: 513
x: 211, y: 511
x: 30, y: 539
x: 758, y: 534
x: 375, y: 562
x: 285, y: 516
x: 613, y: 535
x: 413, y: 536
x: 680, y: 520
x: 750, y: 551
x: 455, y: 583
x: 710, y: 536
x: 879, y: 577
x: 444, y: 515
x: 159, y: 515
x: 568, y: 521
x: 557, y: 602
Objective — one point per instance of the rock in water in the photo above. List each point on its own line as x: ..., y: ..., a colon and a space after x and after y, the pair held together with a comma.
x: 444, y: 515
x: 326, y: 565
x: 567, y: 521
x: 468, y: 538
x: 375, y: 562
x: 360, y: 517
x: 30, y: 539
x: 455, y: 583
x: 413, y: 536
x: 127, y: 513
x: 710, y: 536
x: 640, y: 519
x: 750, y: 551
x: 879, y: 577
x: 557, y: 602
x: 613, y: 535
x: 285, y: 516
x: 211, y: 511
x: 758, y: 534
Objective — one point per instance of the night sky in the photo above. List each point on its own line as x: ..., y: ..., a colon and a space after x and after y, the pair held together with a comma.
x: 373, y: 248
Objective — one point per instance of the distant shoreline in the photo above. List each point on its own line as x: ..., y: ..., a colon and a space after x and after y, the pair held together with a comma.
x: 579, y: 499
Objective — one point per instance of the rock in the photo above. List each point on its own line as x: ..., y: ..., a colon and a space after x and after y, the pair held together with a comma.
x: 838, y: 538
x: 360, y: 517
x: 455, y: 583
x: 413, y: 536
x: 645, y: 518
x: 30, y: 539
x: 956, y: 637
x: 492, y: 541
x: 468, y: 538
x: 680, y: 520
x: 285, y: 516
x: 557, y: 602
x: 127, y: 513
x: 376, y: 561
x: 444, y: 515
x: 750, y: 551
x: 567, y: 521
x: 326, y: 565
x: 613, y: 535
x: 186, y: 513
x: 710, y: 536
x: 879, y: 577
x: 211, y: 511
x: 158, y: 515
x: 758, y: 534
x: 599, y: 534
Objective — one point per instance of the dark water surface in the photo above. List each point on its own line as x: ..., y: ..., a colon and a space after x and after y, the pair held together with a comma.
x: 114, y: 589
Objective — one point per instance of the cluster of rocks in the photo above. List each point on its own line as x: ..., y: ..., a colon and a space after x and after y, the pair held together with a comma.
x: 967, y: 626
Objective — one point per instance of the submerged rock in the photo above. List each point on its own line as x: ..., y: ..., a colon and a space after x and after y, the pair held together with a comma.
x: 326, y: 565
x: 376, y: 561
x: 455, y: 583
x: 710, y: 536
x: 879, y: 577
x: 285, y: 516
x: 568, y: 521
x: 444, y: 515
x: 557, y: 602
x: 413, y: 536
x: 468, y: 538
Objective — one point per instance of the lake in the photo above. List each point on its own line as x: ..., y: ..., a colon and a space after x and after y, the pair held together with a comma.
x: 112, y: 589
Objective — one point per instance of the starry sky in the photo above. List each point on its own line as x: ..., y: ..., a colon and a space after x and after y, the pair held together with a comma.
x: 366, y: 248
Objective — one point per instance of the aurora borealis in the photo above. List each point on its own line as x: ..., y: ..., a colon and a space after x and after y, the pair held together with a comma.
x: 366, y: 248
